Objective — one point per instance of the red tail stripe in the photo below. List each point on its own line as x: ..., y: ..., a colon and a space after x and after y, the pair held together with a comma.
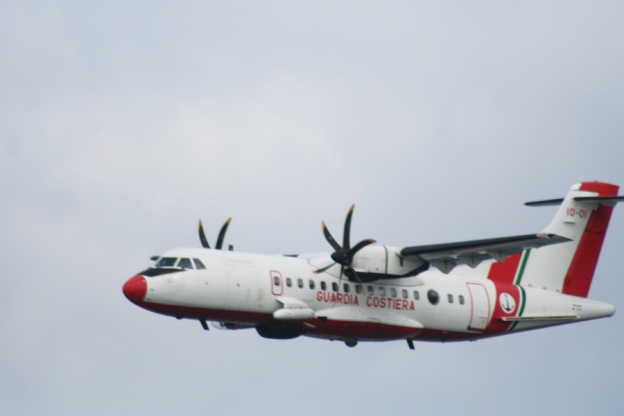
x: 581, y: 272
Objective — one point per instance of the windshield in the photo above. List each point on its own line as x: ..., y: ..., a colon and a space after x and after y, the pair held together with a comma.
x: 185, y: 263
x: 166, y: 262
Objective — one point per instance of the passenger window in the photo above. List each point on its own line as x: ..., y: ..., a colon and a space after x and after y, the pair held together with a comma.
x: 335, y: 286
x: 198, y: 264
x: 461, y: 299
x: 393, y: 292
x: 371, y: 291
x: 166, y: 262
x: 311, y: 284
x: 405, y: 294
x: 300, y: 283
x: 346, y: 287
x: 185, y: 263
x: 416, y: 295
x: 450, y: 298
x: 323, y: 286
x: 382, y: 291
x: 276, y: 280
x: 288, y: 282
x: 358, y: 289
x: 433, y: 297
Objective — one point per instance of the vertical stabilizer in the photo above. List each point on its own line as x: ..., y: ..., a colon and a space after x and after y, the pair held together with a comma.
x: 581, y: 272
x: 569, y: 267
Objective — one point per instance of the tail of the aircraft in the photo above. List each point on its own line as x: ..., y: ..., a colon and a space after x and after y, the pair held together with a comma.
x: 569, y: 267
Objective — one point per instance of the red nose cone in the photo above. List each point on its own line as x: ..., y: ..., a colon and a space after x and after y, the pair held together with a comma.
x: 135, y: 288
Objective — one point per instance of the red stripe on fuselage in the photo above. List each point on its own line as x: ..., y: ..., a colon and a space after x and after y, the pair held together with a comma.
x: 364, y: 331
x: 190, y: 312
x: 505, y: 271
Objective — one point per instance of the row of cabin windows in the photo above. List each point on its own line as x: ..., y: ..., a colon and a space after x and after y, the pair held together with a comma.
x: 432, y: 295
x: 434, y: 298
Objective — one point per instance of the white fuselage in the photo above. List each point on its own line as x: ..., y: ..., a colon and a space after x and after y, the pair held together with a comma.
x: 240, y: 290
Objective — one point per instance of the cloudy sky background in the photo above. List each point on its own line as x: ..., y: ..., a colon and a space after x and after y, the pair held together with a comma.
x: 123, y: 124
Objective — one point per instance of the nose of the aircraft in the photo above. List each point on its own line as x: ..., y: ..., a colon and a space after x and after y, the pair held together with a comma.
x: 135, y: 288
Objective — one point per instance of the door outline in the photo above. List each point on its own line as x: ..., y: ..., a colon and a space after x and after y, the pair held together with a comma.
x: 483, y: 291
x: 273, y: 274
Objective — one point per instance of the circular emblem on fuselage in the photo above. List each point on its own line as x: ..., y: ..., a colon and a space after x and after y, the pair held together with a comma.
x: 507, y: 303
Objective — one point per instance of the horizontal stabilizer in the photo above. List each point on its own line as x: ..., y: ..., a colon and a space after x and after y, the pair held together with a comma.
x: 607, y: 200
x: 544, y: 203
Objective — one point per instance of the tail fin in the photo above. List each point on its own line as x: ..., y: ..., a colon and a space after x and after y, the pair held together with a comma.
x: 569, y: 267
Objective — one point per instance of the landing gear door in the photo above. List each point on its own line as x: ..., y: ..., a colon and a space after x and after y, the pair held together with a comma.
x: 277, y: 283
x: 480, y: 304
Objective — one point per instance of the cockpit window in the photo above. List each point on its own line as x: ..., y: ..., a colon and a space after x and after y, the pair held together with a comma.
x: 166, y: 262
x: 185, y: 263
x: 198, y: 264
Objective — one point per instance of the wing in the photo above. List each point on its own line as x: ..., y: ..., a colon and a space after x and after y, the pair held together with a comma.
x: 446, y: 256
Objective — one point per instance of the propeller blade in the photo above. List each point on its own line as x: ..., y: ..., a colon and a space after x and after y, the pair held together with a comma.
x: 357, y: 277
x: 222, y: 234
x: 323, y: 269
x: 346, y: 237
x: 202, y: 236
x: 339, y: 282
x: 359, y: 246
x: 330, y: 239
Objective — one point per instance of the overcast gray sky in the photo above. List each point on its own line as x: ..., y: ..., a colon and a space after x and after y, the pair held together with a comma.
x: 122, y: 124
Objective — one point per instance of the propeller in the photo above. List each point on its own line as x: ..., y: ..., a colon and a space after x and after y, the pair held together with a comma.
x: 344, y: 254
x: 204, y: 241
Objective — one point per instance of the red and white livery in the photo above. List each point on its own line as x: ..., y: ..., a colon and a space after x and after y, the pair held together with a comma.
x: 443, y: 292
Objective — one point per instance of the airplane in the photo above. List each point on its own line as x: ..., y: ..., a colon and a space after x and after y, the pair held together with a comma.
x: 460, y: 291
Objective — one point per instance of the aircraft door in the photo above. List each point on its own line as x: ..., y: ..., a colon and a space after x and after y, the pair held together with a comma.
x: 242, y: 286
x: 277, y: 283
x: 212, y: 284
x: 480, y: 304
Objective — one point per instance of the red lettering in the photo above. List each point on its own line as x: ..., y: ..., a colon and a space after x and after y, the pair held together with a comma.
x: 376, y: 302
x: 356, y: 301
x: 404, y: 304
x: 339, y: 298
x: 326, y: 296
x: 319, y: 296
x: 333, y: 298
x: 398, y: 304
x: 369, y: 301
x: 382, y: 302
x: 411, y: 308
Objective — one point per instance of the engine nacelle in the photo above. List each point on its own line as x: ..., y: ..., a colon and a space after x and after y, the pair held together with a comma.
x: 385, y: 260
